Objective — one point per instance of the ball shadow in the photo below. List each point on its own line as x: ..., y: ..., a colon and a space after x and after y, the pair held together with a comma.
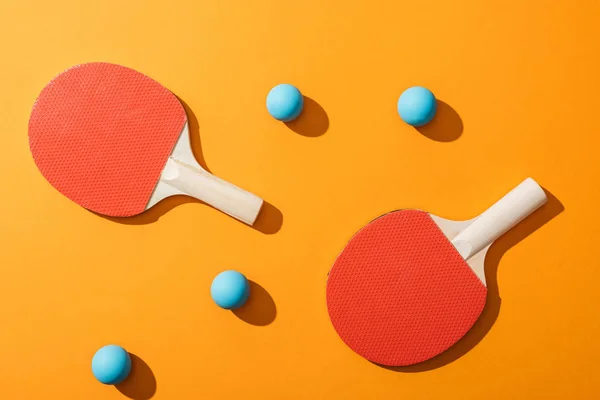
x: 492, y: 307
x: 446, y: 126
x: 269, y: 220
x: 260, y: 310
x: 141, y: 383
x: 312, y: 122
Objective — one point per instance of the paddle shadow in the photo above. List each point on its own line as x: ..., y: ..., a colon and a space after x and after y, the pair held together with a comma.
x: 141, y: 382
x: 260, y: 310
x: 269, y: 220
x: 312, y: 122
x: 491, y: 310
x: 446, y: 126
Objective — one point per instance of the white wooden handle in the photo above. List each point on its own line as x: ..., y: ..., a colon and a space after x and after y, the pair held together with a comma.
x: 198, y: 183
x: 499, y: 218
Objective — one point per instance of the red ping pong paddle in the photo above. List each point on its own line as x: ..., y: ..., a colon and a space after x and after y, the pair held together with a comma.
x: 116, y: 142
x: 410, y: 284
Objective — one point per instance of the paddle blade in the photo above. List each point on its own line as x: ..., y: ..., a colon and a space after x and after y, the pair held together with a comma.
x: 101, y: 135
x: 400, y: 293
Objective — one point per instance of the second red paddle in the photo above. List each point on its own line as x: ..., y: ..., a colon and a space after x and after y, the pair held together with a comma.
x: 411, y: 284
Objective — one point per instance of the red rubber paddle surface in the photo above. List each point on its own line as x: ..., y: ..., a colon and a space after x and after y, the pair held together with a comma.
x: 400, y: 293
x: 101, y: 134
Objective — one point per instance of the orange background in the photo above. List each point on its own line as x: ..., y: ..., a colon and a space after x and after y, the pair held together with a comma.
x: 520, y: 83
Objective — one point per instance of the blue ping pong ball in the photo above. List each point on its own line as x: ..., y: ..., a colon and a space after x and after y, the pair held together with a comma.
x: 417, y: 106
x: 230, y: 290
x: 285, y: 102
x: 111, y: 364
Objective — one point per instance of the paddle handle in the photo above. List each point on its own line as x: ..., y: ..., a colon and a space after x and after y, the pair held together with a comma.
x: 196, y: 182
x: 499, y: 218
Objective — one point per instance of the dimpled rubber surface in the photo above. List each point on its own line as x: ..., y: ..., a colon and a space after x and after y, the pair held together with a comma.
x: 101, y: 134
x: 400, y: 293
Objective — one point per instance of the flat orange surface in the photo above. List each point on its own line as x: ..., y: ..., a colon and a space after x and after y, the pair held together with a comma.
x: 519, y: 82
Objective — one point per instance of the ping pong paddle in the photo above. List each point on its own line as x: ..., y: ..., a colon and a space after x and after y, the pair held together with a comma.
x: 410, y: 284
x: 117, y: 142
